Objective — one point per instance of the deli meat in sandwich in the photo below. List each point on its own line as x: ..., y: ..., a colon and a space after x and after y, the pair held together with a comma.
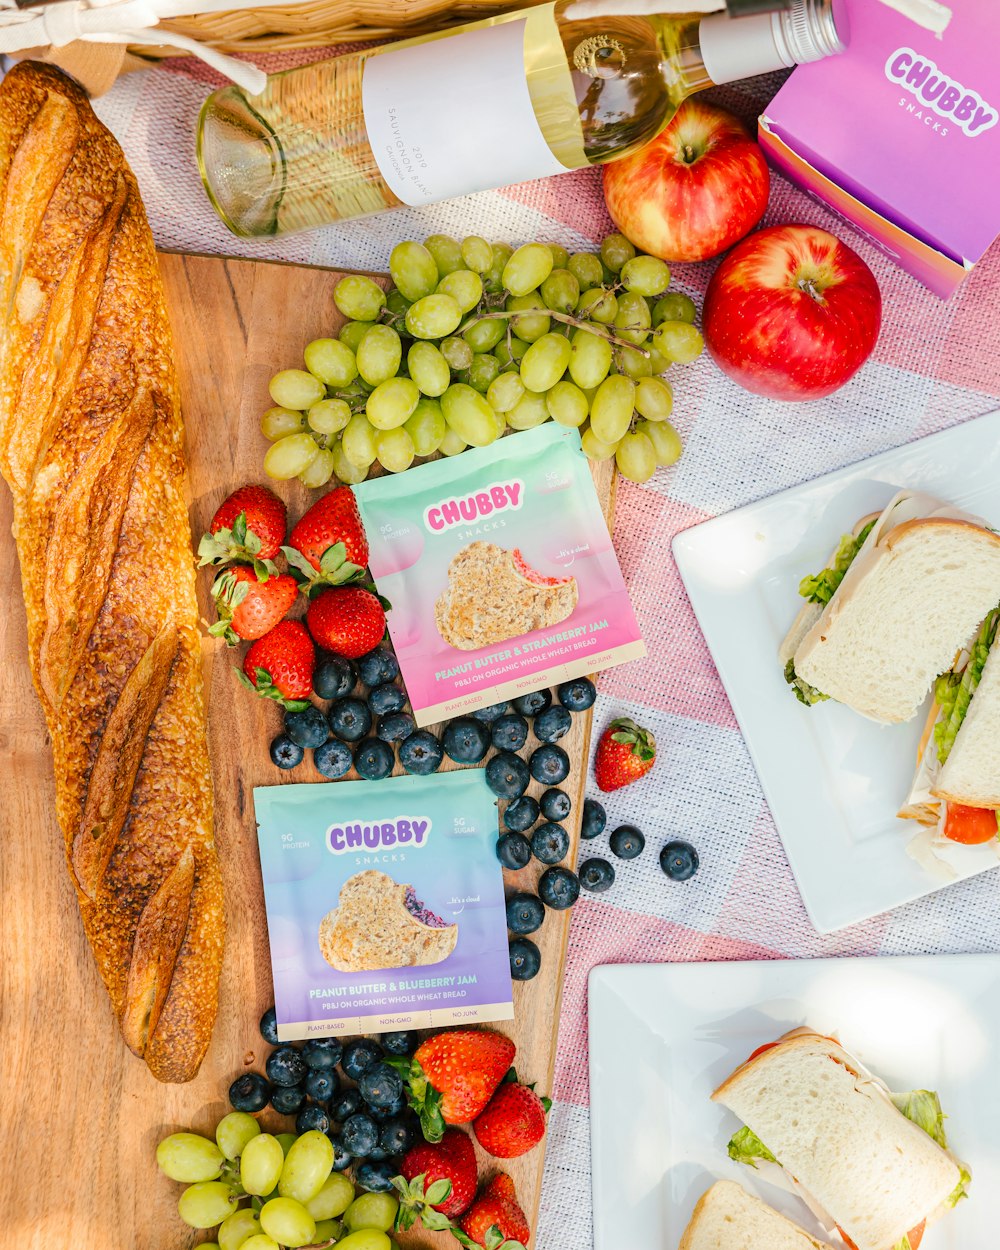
x: 898, y: 598
x: 872, y: 1166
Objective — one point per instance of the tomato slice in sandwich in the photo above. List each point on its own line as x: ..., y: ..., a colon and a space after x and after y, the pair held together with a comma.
x: 970, y: 825
x: 915, y: 1236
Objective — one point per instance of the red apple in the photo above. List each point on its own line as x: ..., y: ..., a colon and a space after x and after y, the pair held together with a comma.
x: 792, y: 313
x: 698, y: 188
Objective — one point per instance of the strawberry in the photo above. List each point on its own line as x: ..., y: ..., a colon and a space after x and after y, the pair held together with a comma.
x: 495, y: 1220
x: 328, y: 546
x: 625, y: 753
x: 249, y: 525
x: 513, y: 1122
x: 348, y: 620
x: 453, y: 1160
x: 280, y: 665
x: 452, y: 1076
x: 249, y: 606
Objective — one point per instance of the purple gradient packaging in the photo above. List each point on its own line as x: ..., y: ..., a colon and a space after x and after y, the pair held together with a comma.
x: 899, y: 136
x: 385, y: 904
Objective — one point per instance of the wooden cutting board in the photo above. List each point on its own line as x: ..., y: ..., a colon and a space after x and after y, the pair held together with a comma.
x: 81, y: 1114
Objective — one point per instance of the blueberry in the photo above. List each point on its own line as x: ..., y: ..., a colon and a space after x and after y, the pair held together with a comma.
x: 525, y: 959
x: 679, y: 860
x: 556, y: 805
x: 552, y: 724
x: 333, y: 758
x: 510, y: 732
x: 346, y: 1104
x: 550, y: 843
x: 350, y: 719
x: 549, y: 765
x: 321, y: 1084
x: 374, y: 759
x: 594, y: 819
x: 341, y: 1155
x: 335, y: 677
x: 287, y: 1099
x: 377, y: 1155
x: 626, y: 842
x: 402, y: 1042
x: 558, y: 888
x: 284, y: 752
x: 380, y: 1085
x: 421, y: 753
x: 322, y: 1052
x: 396, y: 727
x: 577, y: 695
x: 386, y: 698
x: 492, y: 713
x: 597, y: 875
x: 378, y: 666
x: 396, y: 1136
x: 391, y: 1111
x: 308, y: 728
x: 285, y: 1066
x: 249, y: 1092
x: 360, y: 1135
x: 312, y: 1117
x: 525, y: 913
x: 269, y: 1027
x: 513, y: 851
x: 359, y: 1056
x: 521, y: 814
x: 507, y: 775
x: 376, y: 1178
x: 532, y: 704
x: 465, y: 740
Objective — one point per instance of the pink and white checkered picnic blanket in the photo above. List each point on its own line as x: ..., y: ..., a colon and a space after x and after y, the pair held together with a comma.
x: 936, y: 364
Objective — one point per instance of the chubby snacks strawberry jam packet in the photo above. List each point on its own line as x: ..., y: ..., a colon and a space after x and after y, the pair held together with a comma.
x: 500, y: 571
x: 385, y: 904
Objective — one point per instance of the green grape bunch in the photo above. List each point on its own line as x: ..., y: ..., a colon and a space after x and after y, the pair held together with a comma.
x: 475, y: 338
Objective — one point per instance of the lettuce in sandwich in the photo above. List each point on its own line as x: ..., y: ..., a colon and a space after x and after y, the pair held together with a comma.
x: 953, y: 691
x: 821, y: 587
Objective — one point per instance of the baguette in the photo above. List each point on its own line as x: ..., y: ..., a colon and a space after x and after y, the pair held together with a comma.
x: 91, y: 445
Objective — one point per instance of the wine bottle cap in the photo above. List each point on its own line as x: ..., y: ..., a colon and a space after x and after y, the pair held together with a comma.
x: 740, y: 47
x: 809, y: 31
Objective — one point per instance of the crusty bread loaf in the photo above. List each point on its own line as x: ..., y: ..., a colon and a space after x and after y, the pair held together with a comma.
x: 901, y: 615
x: 91, y: 444
x: 835, y: 1130
x: 726, y: 1217
x: 372, y: 928
x: 489, y: 599
x: 971, y: 773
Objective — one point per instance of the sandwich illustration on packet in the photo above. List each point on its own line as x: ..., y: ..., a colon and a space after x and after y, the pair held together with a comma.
x: 385, y: 904
x: 500, y: 570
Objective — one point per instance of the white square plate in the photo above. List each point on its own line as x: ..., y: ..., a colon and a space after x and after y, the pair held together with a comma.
x: 833, y: 780
x: 664, y: 1036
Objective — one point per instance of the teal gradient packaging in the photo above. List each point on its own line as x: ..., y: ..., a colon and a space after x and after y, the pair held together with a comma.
x: 385, y: 904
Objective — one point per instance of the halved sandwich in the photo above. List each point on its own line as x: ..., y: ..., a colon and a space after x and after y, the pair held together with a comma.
x: 872, y: 1166
x: 901, y: 593
x: 726, y: 1217
x: 956, y: 790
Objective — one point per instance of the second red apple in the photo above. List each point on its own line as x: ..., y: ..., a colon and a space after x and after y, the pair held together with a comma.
x: 697, y: 189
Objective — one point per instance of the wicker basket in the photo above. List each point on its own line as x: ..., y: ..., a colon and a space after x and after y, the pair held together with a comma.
x: 320, y: 23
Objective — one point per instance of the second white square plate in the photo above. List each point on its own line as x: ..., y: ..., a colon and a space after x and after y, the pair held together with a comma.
x: 833, y: 780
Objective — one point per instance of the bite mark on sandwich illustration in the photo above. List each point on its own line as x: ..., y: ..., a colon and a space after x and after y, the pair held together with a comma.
x: 380, y: 923
x: 494, y: 594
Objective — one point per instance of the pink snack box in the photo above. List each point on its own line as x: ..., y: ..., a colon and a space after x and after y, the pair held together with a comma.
x: 899, y: 135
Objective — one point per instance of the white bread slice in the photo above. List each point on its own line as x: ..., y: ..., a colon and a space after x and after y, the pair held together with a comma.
x: 726, y: 1217
x: 832, y: 1126
x: 971, y: 773
x: 906, y: 605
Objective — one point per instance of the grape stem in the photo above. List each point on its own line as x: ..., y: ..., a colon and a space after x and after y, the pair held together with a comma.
x: 565, y: 318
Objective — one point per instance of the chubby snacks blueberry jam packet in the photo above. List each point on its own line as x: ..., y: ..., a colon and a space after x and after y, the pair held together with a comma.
x: 500, y: 571
x: 385, y: 904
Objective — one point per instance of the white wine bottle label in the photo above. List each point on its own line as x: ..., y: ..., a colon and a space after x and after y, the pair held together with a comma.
x: 449, y: 116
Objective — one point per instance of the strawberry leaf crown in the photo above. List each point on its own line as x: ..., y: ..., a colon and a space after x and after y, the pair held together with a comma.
x: 234, y: 546
x: 334, y: 569
x: 266, y: 688
x: 228, y: 592
x: 417, y: 1201
x: 628, y: 733
x: 422, y: 1097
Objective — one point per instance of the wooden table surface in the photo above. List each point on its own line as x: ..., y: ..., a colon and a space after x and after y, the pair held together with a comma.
x: 80, y: 1116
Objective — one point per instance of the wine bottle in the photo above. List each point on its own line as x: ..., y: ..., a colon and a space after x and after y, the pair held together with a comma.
x: 518, y: 96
